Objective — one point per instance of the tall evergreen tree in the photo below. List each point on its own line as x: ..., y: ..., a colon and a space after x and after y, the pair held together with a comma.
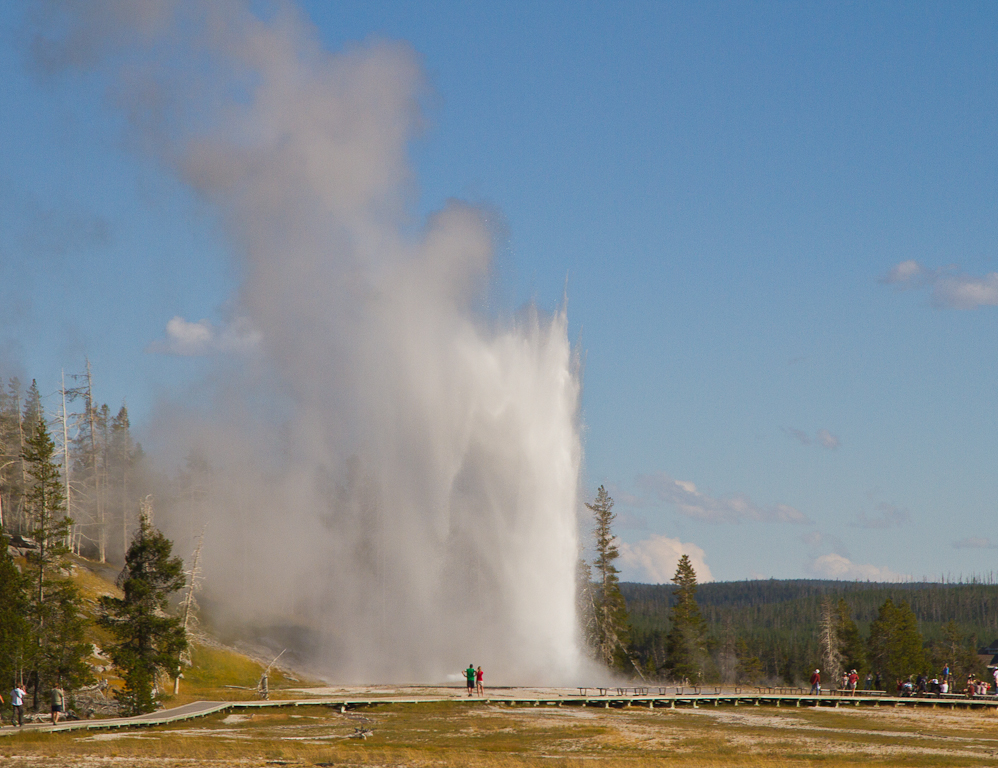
x: 958, y: 651
x: 851, y: 646
x: 120, y: 483
x: 33, y: 412
x: 895, y: 643
x: 611, y: 627
x: 14, y: 628
x: 749, y: 670
x: 686, y: 643
x: 57, y: 649
x: 147, y: 642
x: 10, y: 456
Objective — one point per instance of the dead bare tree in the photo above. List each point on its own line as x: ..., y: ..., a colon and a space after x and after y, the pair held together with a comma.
x: 189, y: 609
x: 829, y: 638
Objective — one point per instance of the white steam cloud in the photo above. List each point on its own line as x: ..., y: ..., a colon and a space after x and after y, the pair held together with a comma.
x: 393, y: 480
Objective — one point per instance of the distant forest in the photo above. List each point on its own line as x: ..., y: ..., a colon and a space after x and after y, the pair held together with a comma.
x: 778, y: 621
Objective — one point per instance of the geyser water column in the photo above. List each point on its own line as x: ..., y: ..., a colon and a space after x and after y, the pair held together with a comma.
x: 392, y: 471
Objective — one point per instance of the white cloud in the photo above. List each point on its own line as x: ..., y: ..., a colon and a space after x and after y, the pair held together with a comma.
x: 823, y: 437
x: 950, y: 289
x: 965, y: 292
x: 656, y: 557
x: 827, y: 440
x: 735, y: 508
x: 799, y: 435
x: 834, y: 566
x: 188, y: 339
x: 817, y: 541
x: 974, y: 542
x: 890, y: 517
x: 907, y: 274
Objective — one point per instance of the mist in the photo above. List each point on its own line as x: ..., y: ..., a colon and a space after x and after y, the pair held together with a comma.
x: 389, y: 471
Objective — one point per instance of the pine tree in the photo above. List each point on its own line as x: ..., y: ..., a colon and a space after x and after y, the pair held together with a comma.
x: 686, y: 643
x: 57, y: 650
x: 895, y: 643
x: 14, y: 628
x: 609, y: 610
x: 749, y: 670
x: 958, y: 651
x: 147, y: 642
x: 851, y: 647
x: 10, y: 457
x: 121, y: 460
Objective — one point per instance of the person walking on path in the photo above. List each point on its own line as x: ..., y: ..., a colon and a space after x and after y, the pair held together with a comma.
x: 816, y: 682
x: 469, y: 675
x: 479, y: 685
x: 17, y: 702
x: 58, y: 703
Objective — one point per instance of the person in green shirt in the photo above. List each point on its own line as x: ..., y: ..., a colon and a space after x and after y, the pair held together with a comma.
x: 58, y: 703
x: 469, y: 673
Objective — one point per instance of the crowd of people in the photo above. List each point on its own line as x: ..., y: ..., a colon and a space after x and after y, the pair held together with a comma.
x: 921, y: 685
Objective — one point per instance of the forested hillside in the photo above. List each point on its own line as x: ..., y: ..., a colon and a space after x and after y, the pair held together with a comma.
x: 100, y: 467
x: 778, y: 621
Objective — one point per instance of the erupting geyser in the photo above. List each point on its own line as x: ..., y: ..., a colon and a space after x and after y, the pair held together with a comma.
x: 391, y: 469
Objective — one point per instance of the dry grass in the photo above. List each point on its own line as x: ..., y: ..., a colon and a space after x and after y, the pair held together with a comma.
x: 495, y: 736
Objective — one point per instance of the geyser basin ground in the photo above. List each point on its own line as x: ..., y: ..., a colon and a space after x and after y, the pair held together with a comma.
x: 457, y: 733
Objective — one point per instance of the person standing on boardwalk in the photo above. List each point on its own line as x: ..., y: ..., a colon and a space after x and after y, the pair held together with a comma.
x: 17, y: 702
x: 469, y: 675
x: 58, y: 703
x: 816, y: 682
x: 479, y: 685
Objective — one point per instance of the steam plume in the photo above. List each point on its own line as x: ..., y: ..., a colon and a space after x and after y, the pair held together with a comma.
x: 392, y: 470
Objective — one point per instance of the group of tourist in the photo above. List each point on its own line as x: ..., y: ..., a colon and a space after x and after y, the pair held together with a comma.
x: 944, y: 684
x: 922, y: 685
x: 58, y: 698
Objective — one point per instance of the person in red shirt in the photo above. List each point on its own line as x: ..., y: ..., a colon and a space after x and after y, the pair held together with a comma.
x: 479, y: 687
x: 853, y: 680
x: 816, y: 681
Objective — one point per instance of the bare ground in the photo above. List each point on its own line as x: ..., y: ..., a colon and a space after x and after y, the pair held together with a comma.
x: 496, y: 735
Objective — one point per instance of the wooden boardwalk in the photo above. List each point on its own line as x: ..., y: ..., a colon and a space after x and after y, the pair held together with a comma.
x: 605, y: 698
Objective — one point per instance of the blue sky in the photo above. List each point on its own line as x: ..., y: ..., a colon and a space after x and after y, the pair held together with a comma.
x: 777, y: 224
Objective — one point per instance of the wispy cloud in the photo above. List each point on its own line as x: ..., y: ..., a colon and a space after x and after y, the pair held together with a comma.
x: 187, y: 339
x: 827, y: 440
x: 816, y: 541
x: 889, y: 517
x: 630, y: 521
x: 950, y: 289
x: 656, y: 557
x: 974, y: 542
x: 822, y: 437
x: 833, y: 566
x: 734, y: 508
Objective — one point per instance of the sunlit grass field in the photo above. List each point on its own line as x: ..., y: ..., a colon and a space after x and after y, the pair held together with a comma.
x: 481, y: 734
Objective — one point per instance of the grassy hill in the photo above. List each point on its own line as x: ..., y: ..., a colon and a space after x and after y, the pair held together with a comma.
x: 217, y: 672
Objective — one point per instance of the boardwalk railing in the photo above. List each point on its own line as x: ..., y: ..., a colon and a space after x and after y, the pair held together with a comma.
x: 621, y: 698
